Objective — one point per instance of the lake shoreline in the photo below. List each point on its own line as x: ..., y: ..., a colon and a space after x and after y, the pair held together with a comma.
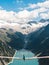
x: 12, y: 58
x: 20, y: 54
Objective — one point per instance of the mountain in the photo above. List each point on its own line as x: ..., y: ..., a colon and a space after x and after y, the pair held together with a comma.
x: 31, y: 22
x: 5, y: 49
x: 10, y: 41
x: 25, y: 27
x: 44, y: 20
x: 38, y: 42
x: 17, y: 40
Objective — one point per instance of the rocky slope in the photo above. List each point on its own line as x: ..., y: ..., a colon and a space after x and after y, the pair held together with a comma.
x: 5, y: 49
x: 38, y: 43
x: 10, y: 41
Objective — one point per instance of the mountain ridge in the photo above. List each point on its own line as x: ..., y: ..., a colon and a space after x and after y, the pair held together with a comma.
x: 37, y: 42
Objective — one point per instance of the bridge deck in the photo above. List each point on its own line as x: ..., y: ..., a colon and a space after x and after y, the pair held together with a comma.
x: 27, y: 58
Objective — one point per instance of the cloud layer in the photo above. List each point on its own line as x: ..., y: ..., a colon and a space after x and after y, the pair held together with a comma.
x: 39, y: 10
x: 21, y: 18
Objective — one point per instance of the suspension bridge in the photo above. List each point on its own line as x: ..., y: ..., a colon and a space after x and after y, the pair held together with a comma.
x: 27, y: 58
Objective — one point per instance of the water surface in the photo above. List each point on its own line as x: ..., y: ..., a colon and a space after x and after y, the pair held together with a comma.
x: 26, y: 62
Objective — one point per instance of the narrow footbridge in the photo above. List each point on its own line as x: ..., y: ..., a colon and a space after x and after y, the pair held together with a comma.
x: 27, y: 58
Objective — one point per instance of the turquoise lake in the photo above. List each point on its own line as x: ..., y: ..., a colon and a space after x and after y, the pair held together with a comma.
x: 22, y: 62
